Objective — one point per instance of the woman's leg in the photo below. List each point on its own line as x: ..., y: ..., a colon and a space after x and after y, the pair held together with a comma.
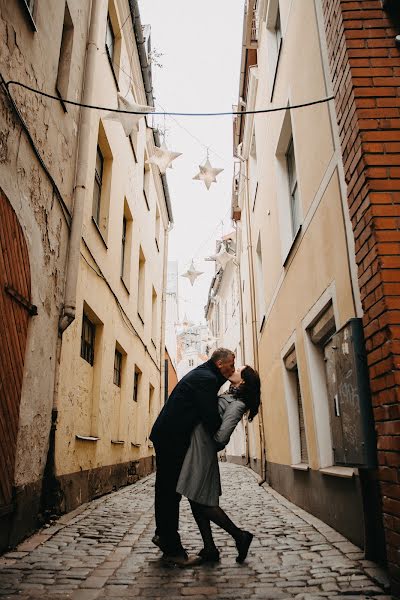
x: 204, y: 525
x: 242, y: 538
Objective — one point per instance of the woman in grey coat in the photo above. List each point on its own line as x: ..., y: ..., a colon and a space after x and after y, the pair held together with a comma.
x: 200, y: 480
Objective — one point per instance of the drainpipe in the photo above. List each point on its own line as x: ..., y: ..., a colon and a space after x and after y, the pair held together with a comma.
x: 254, y: 321
x: 243, y: 345
x: 81, y: 177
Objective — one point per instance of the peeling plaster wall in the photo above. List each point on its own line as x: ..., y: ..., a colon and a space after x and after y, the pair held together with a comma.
x: 32, y: 58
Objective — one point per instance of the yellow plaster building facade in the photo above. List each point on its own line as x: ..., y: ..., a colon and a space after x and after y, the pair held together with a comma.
x: 111, y: 374
x: 296, y: 254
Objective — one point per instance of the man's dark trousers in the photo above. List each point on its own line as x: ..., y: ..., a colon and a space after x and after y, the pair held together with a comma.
x: 169, y: 460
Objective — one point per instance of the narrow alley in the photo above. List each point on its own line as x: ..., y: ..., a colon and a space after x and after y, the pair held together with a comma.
x: 104, y: 550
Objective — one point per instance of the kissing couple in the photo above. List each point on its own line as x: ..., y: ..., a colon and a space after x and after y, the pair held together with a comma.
x: 193, y: 426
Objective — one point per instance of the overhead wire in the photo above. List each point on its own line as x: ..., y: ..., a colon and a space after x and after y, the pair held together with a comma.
x: 171, y: 113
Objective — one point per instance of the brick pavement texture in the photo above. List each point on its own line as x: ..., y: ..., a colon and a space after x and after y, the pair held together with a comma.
x: 104, y: 551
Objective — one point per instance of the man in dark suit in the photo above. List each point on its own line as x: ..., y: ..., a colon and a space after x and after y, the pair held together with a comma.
x: 193, y: 400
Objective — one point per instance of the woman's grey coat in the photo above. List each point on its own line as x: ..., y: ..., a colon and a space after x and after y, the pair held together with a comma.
x: 199, y: 479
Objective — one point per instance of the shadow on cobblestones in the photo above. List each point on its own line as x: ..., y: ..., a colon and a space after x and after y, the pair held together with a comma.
x: 106, y: 552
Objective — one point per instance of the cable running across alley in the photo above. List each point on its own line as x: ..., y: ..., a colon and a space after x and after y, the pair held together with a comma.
x: 174, y: 114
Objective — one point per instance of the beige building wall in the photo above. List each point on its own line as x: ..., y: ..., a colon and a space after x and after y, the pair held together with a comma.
x: 31, y: 53
x: 300, y: 254
x: 103, y: 424
x: 223, y: 315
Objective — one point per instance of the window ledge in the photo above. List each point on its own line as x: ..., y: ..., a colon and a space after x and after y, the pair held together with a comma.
x: 99, y: 232
x: 135, y: 445
x: 289, y: 252
x: 301, y: 467
x: 86, y: 438
x: 118, y: 442
x: 346, y: 472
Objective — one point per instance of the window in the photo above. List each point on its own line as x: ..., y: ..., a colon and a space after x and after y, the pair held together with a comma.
x: 151, y: 410
x: 274, y: 42
x: 288, y: 189
x: 87, y: 339
x: 64, y: 61
x: 117, y: 367
x: 253, y: 183
x: 98, y: 180
x: 296, y: 421
x: 110, y: 41
x: 146, y: 184
x: 126, y: 245
x: 141, y: 285
x: 136, y: 384
x: 123, y: 246
x: 191, y: 362
x: 278, y: 31
x: 154, y: 318
x: 319, y: 326
x: 157, y: 229
x: 260, y: 282
x: 30, y: 9
x: 293, y: 188
x: 102, y: 184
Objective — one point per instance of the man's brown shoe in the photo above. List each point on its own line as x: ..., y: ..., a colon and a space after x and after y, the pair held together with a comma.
x: 180, y: 560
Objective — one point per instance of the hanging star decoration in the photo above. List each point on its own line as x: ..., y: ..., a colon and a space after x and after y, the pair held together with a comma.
x: 163, y: 158
x: 222, y: 257
x: 207, y: 173
x: 192, y: 274
x: 128, y: 120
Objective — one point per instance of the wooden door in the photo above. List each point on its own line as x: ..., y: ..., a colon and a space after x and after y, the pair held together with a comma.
x: 15, y: 311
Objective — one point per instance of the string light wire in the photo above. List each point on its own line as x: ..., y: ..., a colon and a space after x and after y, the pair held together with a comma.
x: 171, y: 113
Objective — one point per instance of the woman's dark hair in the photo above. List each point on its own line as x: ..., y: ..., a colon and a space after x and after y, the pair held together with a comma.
x: 249, y: 391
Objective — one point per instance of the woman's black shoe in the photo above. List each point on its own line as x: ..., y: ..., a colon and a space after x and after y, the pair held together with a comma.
x: 243, y: 545
x: 209, y: 555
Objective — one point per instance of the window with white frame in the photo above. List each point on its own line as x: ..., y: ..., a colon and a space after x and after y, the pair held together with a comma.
x: 319, y: 327
x: 287, y: 187
x: 293, y: 188
x: 294, y: 401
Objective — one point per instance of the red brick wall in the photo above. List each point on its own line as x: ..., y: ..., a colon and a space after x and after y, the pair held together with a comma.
x: 365, y: 69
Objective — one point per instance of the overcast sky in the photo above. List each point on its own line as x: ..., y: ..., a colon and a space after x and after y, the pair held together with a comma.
x: 201, y: 45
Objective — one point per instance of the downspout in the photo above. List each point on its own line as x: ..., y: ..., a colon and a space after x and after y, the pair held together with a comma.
x: 243, y: 345
x: 82, y: 168
x: 254, y: 322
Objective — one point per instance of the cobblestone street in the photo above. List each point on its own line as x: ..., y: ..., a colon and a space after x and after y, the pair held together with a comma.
x: 104, y: 550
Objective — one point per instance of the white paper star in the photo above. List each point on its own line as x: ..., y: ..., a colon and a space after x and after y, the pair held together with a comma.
x: 207, y: 174
x: 192, y: 274
x: 163, y: 158
x: 129, y: 121
x: 222, y: 257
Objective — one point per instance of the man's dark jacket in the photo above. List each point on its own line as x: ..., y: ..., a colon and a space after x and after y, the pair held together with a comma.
x: 193, y: 400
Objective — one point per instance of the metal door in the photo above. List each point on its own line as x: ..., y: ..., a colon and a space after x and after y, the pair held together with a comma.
x: 15, y: 310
